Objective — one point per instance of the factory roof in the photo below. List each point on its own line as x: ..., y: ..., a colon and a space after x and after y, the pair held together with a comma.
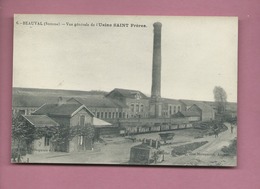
x: 188, y: 114
x: 41, y: 121
x: 203, y: 107
x: 94, y: 101
x: 61, y: 110
x: 169, y: 101
x: 127, y: 93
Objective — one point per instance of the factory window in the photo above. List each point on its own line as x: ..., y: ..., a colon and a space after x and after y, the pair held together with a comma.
x: 120, y: 114
x: 123, y: 114
x: 82, y: 120
x: 98, y: 115
x: 137, y: 107
x: 101, y: 115
x: 179, y: 108
x: 116, y: 114
x: 109, y: 114
x: 105, y: 115
x: 174, y: 109
x: 170, y: 110
x: 142, y: 108
x: 113, y: 115
x: 132, y: 107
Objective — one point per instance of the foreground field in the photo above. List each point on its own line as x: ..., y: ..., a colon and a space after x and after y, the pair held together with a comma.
x: 117, y: 150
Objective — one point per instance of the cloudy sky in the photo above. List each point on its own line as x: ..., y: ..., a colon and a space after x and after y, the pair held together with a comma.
x: 90, y: 53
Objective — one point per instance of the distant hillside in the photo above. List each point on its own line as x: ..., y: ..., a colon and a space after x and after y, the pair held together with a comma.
x: 31, y: 97
x: 55, y: 92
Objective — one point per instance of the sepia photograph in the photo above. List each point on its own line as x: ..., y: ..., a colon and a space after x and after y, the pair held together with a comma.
x: 125, y: 90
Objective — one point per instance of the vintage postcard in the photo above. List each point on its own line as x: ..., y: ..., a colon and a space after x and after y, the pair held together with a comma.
x: 127, y: 90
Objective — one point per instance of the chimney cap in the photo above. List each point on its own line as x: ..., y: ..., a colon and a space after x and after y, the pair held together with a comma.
x: 157, y: 24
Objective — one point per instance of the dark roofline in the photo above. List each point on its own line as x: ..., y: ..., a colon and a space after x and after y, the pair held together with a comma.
x: 26, y: 117
x: 125, y: 90
x: 113, y: 101
x: 64, y: 115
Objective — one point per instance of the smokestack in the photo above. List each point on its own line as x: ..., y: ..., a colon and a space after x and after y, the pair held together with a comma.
x: 155, y: 103
x: 156, y: 75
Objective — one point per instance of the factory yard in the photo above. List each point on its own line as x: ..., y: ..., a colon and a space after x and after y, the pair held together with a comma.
x: 116, y: 150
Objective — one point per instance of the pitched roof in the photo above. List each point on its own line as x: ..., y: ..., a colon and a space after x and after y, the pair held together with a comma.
x: 204, y: 107
x: 59, y: 110
x: 230, y: 106
x: 190, y: 113
x: 169, y: 101
x: 94, y: 101
x: 187, y: 114
x: 41, y: 121
x: 100, y: 123
x: 127, y: 93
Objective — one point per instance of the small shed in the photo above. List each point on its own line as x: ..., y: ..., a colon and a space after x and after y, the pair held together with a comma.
x: 141, y: 154
x: 43, y: 144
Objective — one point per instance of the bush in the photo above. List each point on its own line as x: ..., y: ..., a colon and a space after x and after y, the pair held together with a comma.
x: 231, y: 149
x: 17, y: 154
x: 184, y: 149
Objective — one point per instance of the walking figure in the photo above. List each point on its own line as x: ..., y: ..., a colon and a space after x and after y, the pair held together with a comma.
x: 216, y: 133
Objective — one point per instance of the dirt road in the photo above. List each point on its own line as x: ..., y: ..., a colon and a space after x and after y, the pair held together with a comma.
x: 209, y: 154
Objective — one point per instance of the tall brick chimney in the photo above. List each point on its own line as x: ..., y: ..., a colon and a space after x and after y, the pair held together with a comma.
x: 155, y: 102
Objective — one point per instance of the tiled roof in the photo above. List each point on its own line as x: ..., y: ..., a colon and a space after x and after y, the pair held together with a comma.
x: 203, y: 106
x: 190, y: 113
x: 59, y: 110
x: 128, y: 93
x: 187, y: 114
x: 169, y: 101
x: 41, y: 121
x: 94, y: 101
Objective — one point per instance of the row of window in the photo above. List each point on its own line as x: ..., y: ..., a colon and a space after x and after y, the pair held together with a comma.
x: 137, y: 107
x: 111, y: 115
x: 23, y: 111
x: 174, y: 109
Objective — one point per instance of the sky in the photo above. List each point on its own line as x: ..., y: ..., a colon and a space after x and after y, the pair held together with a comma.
x: 87, y: 52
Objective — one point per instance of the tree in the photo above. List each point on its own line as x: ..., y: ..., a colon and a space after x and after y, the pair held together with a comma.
x: 87, y: 132
x: 23, y: 135
x: 60, y: 138
x: 220, y: 97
